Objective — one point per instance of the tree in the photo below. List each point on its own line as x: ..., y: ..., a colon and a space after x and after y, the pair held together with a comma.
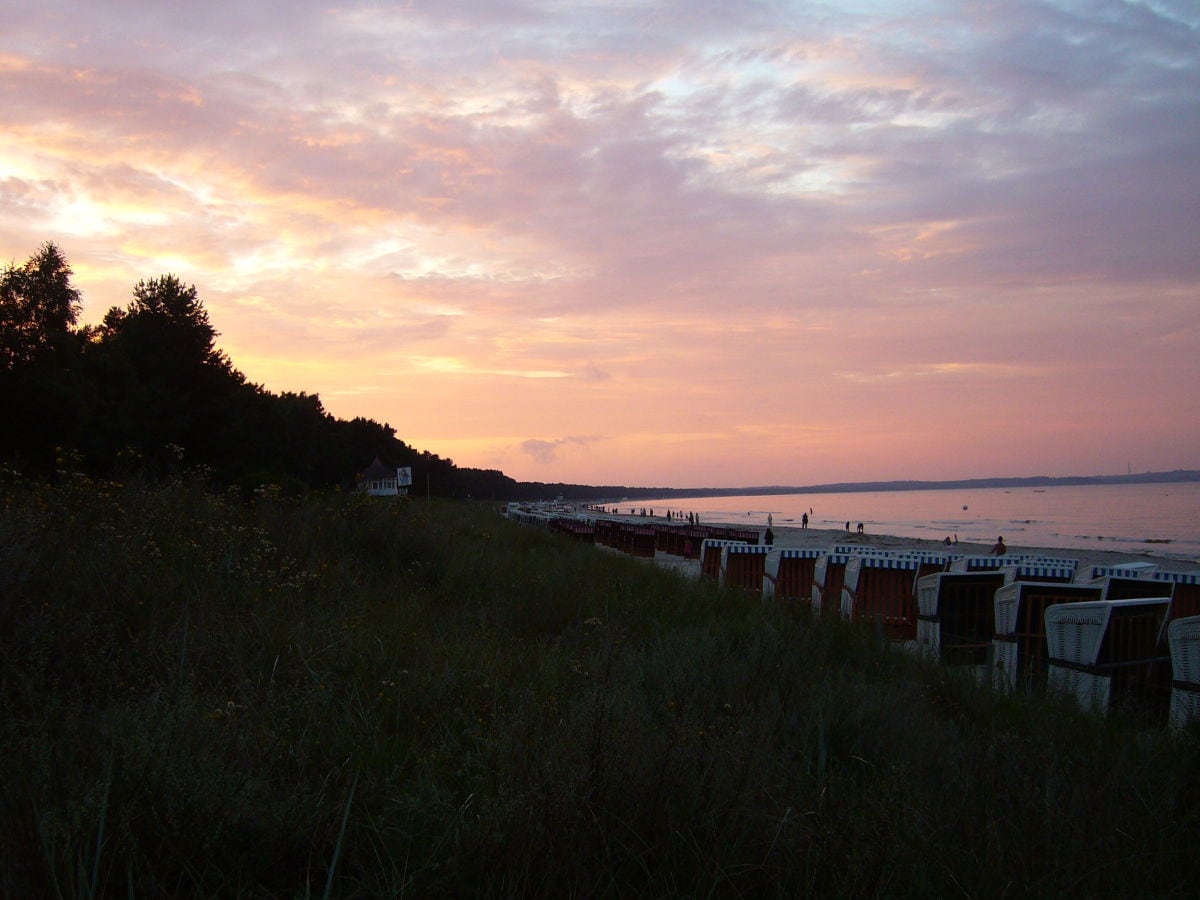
x: 40, y: 349
x: 161, y: 384
x: 38, y: 308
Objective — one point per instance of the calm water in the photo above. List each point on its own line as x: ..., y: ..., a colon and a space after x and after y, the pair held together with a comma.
x: 1161, y: 519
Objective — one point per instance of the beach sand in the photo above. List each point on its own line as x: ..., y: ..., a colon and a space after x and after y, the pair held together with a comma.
x: 816, y: 538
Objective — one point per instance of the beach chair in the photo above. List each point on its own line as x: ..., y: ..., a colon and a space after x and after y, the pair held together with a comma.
x: 789, y: 574
x: 983, y: 563
x: 1019, y: 644
x: 957, y: 616
x: 636, y: 540
x: 928, y: 562
x: 743, y: 567
x: 676, y: 540
x: 741, y: 535
x: 1090, y: 574
x: 606, y: 532
x: 860, y: 550
x: 879, y: 589
x: 1047, y: 571
x: 1183, y: 643
x: 1108, y: 652
x: 710, y: 557
x: 828, y: 573
x: 1125, y: 587
x: 1185, y: 592
x: 576, y: 529
x: 663, y: 538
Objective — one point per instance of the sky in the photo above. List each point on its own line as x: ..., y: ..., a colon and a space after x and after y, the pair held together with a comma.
x: 667, y: 244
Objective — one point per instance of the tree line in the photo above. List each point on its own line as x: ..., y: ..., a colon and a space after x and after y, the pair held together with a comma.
x: 147, y: 393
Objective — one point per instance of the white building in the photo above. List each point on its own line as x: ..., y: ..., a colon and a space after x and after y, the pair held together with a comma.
x: 380, y: 481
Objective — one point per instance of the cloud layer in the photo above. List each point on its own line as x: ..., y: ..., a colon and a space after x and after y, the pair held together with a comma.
x: 753, y: 243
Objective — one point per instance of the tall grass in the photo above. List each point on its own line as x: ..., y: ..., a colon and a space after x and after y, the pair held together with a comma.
x: 355, y: 697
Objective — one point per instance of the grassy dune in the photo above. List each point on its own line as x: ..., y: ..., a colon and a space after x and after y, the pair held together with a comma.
x: 343, y: 697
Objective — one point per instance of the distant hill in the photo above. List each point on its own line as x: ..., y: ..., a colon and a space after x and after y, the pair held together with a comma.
x: 611, y: 492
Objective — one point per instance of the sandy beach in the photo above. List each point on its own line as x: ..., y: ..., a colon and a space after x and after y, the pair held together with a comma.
x: 816, y: 538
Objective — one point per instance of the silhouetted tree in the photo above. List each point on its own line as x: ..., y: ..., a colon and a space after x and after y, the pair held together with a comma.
x: 39, y: 353
x: 38, y: 308
x: 161, y: 384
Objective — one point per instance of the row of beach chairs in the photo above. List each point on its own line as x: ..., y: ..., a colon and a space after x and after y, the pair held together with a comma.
x: 1111, y: 636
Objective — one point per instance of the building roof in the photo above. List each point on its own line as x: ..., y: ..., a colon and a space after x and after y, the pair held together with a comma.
x: 377, y: 471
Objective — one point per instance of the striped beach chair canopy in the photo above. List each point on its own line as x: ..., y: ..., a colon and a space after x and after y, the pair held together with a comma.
x: 861, y: 550
x: 1039, y: 571
x: 723, y: 542
x: 905, y: 561
x: 800, y: 552
x: 1063, y: 562
x: 1176, y: 577
x: 982, y: 563
x: 928, y: 555
x: 737, y: 547
x: 1121, y: 570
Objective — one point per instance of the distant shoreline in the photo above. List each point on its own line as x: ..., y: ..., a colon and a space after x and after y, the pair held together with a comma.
x: 1041, y: 481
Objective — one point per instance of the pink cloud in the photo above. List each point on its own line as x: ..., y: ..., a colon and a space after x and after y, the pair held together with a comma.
x: 776, y: 244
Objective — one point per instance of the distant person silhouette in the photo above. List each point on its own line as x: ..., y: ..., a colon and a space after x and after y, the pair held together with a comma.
x: 860, y: 528
x: 769, y: 537
x: 999, y: 549
x: 804, y: 521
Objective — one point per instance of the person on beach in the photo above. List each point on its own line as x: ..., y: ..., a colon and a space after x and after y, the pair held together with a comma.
x: 769, y: 537
x: 947, y: 541
x: 999, y: 549
x: 860, y: 528
x: 847, y: 527
x: 804, y: 521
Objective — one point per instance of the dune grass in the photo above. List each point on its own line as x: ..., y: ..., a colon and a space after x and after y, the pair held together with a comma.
x: 339, y: 696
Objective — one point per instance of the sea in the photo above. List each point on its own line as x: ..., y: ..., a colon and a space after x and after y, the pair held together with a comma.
x: 1156, y: 519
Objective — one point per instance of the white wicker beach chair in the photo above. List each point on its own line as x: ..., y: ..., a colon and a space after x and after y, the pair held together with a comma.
x: 956, y: 615
x: 1105, y: 649
x: 1019, y: 644
x: 1183, y: 641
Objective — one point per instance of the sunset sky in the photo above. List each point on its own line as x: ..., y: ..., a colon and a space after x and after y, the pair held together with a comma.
x: 650, y: 243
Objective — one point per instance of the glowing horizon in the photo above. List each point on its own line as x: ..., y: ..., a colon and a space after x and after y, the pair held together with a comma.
x: 664, y: 244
